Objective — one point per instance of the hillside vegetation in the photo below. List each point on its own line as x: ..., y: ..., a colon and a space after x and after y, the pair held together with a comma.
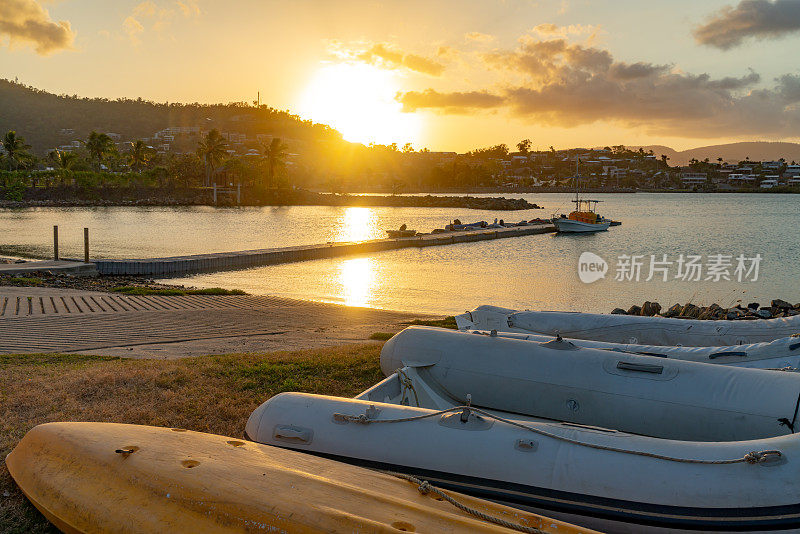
x: 732, y: 152
x: 39, y: 117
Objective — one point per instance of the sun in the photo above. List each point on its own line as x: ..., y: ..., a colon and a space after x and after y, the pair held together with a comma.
x: 359, y: 101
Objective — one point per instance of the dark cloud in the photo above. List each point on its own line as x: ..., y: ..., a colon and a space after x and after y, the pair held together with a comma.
x: 789, y: 88
x: 759, y: 19
x: 391, y: 57
x: 631, y: 71
x: 569, y: 85
x: 543, y: 58
x: 25, y: 21
x: 731, y: 83
x: 449, y: 102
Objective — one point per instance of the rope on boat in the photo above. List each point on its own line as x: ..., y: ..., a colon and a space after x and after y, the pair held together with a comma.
x: 752, y: 457
x: 408, y: 385
x: 426, y: 487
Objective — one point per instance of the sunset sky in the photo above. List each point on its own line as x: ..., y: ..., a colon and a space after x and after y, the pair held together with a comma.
x: 449, y: 75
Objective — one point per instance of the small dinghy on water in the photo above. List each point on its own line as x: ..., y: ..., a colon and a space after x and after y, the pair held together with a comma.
x: 631, y: 329
x: 106, y: 477
x: 616, y: 442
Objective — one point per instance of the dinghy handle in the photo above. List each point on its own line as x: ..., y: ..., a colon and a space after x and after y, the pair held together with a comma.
x: 466, y: 411
x: 640, y: 367
x: 726, y: 353
x: 292, y: 434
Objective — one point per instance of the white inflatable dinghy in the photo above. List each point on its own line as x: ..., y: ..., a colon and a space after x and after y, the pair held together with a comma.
x: 631, y: 329
x: 616, y: 442
x: 781, y: 354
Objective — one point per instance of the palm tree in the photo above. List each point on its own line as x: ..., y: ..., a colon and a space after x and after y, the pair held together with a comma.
x: 719, y: 161
x: 276, y: 158
x: 139, y: 155
x: 16, y: 150
x: 98, y: 145
x: 65, y: 161
x: 211, y: 149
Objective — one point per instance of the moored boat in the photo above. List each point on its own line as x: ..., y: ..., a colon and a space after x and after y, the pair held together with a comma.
x: 401, y: 233
x: 662, y: 331
x: 584, y: 218
x: 105, y: 477
x: 617, y: 442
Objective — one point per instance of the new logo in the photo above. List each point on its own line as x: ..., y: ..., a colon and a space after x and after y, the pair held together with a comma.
x: 591, y: 267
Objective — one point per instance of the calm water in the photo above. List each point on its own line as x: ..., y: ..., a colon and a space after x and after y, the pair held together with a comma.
x: 536, y: 272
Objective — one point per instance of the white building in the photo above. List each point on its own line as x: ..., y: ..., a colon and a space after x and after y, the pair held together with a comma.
x: 793, y: 170
x: 694, y: 178
x: 738, y: 178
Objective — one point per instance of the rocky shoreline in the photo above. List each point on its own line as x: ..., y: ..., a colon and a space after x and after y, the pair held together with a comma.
x: 714, y: 312
x: 168, y: 197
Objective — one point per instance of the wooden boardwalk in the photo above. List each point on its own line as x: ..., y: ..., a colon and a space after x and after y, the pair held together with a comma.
x: 252, y: 258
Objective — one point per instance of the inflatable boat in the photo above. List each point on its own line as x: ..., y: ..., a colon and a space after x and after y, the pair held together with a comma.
x: 106, y: 477
x: 631, y: 329
x: 611, y: 441
x: 779, y: 355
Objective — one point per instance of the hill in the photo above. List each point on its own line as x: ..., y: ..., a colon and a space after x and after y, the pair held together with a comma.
x: 732, y: 152
x: 48, y: 120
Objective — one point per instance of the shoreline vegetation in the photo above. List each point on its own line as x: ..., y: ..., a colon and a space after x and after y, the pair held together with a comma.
x: 109, y: 196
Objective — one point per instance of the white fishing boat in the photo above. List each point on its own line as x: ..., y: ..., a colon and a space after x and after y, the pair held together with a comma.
x: 630, y: 329
x: 584, y: 218
x: 616, y: 442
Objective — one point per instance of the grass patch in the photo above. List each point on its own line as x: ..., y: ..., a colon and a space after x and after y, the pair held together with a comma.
x: 381, y: 336
x: 215, y: 291
x: 447, y: 322
x: 139, y: 291
x: 208, y: 393
x: 25, y: 281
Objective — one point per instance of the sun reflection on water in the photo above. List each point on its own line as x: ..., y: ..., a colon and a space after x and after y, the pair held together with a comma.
x: 357, y: 224
x: 357, y: 277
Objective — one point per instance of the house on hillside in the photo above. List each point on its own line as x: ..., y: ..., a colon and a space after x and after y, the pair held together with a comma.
x: 694, y: 178
x: 792, y: 171
x: 741, y: 179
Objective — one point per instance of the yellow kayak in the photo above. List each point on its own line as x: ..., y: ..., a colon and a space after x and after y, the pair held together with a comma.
x: 105, y: 477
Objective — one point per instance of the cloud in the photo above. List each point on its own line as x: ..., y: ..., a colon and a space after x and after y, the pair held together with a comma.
x: 189, y: 8
x: 447, y: 52
x: 556, y: 83
x: 27, y: 22
x: 758, y: 19
x: 479, y: 37
x: 549, y: 29
x: 789, y: 87
x: 157, y: 17
x: 449, y: 102
x: 132, y: 28
x: 542, y: 59
x: 390, y: 57
x: 631, y: 71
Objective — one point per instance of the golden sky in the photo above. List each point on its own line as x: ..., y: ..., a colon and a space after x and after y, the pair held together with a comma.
x: 449, y: 75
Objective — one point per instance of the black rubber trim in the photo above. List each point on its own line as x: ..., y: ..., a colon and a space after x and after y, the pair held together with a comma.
x: 768, y: 518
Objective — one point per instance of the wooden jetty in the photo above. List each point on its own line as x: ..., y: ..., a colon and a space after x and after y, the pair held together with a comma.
x: 222, y: 261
